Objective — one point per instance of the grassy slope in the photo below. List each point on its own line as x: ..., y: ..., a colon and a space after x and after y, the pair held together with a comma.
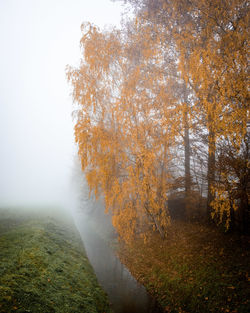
x: 196, y: 269
x: 43, y: 268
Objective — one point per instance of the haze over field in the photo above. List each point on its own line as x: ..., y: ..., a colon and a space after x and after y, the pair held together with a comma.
x: 162, y: 126
x: 38, y: 40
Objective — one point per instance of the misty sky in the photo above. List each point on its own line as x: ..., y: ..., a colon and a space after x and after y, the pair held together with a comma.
x: 38, y: 39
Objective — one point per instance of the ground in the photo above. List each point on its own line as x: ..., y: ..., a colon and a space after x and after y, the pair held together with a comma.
x: 44, y: 268
x: 197, y: 268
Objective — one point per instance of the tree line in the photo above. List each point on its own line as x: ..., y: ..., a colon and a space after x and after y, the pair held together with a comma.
x: 162, y: 114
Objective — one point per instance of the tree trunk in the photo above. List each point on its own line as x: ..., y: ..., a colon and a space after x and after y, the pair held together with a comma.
x: 187, y: 158
x: 210, y: 171
x: 244, y: 209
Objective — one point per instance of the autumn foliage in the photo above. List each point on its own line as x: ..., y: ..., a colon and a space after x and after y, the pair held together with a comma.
x: 162, y: 111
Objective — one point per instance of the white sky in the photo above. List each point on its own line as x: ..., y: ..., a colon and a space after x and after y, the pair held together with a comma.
x: 38, y: 39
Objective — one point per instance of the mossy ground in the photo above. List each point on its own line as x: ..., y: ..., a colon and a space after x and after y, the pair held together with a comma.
x: 44, y: 268
x: 196, y: 269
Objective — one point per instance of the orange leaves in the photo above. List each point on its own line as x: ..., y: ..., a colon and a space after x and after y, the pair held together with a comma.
x: 118, y: 128
x: 141, y: 90
x: 213, y: 58
x: 98, y: 47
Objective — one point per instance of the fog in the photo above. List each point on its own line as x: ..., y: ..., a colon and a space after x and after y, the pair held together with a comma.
x: 38, y: 40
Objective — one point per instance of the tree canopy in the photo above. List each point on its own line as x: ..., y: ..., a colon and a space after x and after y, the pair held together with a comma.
x: 162, y: 113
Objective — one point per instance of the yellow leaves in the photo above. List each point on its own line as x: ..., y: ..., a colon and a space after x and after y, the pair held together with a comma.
x: 132, y: 107
x: 117, y: 129
x: 212, y: 55
x: 222, y: 205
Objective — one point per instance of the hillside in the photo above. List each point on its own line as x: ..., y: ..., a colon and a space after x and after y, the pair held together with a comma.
x: 44, y: 267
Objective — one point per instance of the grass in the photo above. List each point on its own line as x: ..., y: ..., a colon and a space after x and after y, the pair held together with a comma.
x: 44, y: 268
x: 196, y: 269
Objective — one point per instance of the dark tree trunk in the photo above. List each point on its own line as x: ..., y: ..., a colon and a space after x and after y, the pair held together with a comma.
x: 210, y: 171
x: 244, y: 209
x: 187, y: 162
x: 187, y: 157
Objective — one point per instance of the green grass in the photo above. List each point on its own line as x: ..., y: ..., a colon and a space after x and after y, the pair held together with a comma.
x: 44, y: 268
x: 196, y: 269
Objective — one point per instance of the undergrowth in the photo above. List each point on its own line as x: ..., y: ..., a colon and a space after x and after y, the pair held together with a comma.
x: 196, y: 269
